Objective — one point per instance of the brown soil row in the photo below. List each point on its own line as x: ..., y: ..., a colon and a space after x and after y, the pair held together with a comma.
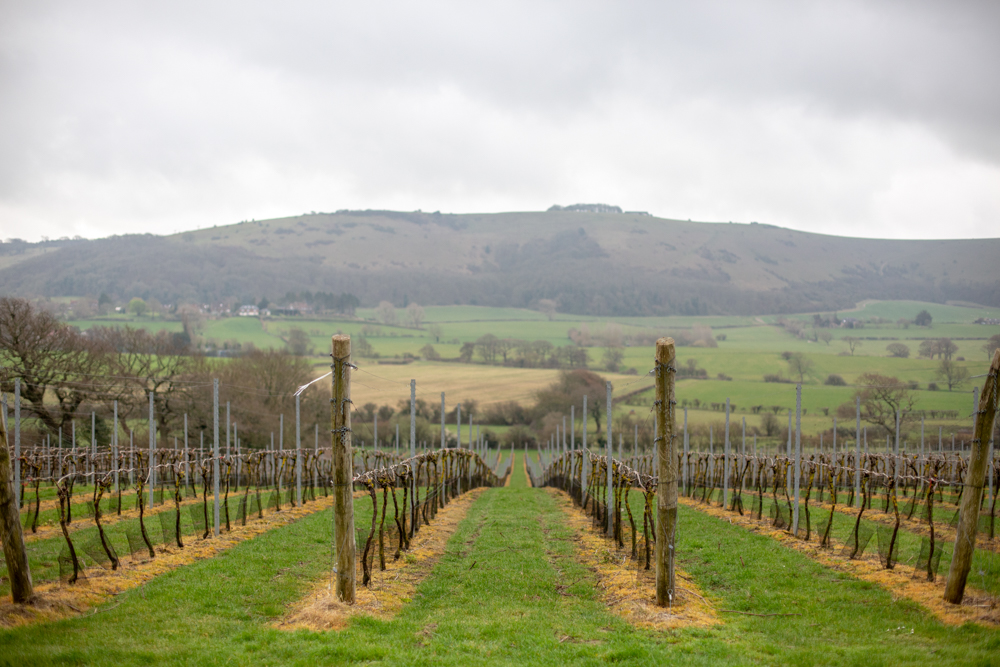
x: 978, y: 607
x: 391, y: 589
x: 628, y: 590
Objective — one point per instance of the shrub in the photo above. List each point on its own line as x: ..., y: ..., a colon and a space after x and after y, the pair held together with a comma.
x: 835, y: 380
x: 932, y: 386
x: 898, y: 350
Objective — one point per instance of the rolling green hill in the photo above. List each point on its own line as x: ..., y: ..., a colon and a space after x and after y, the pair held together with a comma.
x: 589, y: 263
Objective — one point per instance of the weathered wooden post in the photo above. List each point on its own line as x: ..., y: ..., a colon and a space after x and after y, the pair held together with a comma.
x: 17, y: 445
x: 298, y: 454
x: 585, y: 454
x: 968, y: 519
x: 152, y: 451
x: 413, y: 453
x: 857, y: 453
x: 798, y: 457
x: 114, y: 453
x: 666, y: 470
x: 215, y: 458
x: 343, y: 475
x: 18, y: 570
x: 725, y: 463
x: 684, y: 468
x: 609, y: 450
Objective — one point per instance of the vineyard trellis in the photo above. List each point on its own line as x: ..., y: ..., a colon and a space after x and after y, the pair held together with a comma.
x: 929, y: 485
x: 244, y: 484
x: 800, y: 493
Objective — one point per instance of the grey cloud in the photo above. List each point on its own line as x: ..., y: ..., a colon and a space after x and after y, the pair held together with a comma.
x: 124, y: 115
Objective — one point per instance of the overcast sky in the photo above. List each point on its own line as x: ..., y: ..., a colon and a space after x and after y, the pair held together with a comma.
x: 877, y: 119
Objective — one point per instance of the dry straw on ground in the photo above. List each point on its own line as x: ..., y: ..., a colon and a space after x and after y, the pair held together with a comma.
x: 978, y: 607
x: 390, y: 590
x: 628, y: 590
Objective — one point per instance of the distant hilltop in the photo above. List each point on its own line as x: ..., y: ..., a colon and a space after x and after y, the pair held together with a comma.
x: 593, y: 208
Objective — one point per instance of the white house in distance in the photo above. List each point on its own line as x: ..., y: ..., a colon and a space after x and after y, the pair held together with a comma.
x: 249, y: 311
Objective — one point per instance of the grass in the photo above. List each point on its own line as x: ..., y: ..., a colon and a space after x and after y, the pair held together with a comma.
x: 43, y: 554
x: 493, y: 599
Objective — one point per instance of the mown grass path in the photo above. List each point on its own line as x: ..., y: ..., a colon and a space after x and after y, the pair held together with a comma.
x: 508, y: 590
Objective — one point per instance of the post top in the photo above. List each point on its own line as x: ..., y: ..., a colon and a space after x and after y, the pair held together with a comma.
x: 665, y: 349
x: 340, y: 337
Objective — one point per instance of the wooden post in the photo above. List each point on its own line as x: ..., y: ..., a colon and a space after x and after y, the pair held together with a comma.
x: 686, y: 450
x: 18, y: 570
x: 857, y: 454
x: 298, y: 452
x: 343, y: 474
x: 609, y: 450
x: 17, y: 445
x: 725, y: 463
x: 798, y: 457
x: 586, y: 455
x: 968, y: 519
x: 152, y: 450
x: 666, y: 470
x: 413, y: 453
x: 215, y: 458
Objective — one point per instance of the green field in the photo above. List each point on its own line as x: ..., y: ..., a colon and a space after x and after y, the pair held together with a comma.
x: 510, y: 589
x: 747, y: 349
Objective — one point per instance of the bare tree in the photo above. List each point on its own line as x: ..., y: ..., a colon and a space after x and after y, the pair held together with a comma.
x: 569, y: 390
x: 488, y: 347
x: 56, y: 364
x: 946, y: 349
x: 141, y: 362
x: 547, y: 306
x: 507, y: 345
x: 991, y: 345
x: 852, y: 343
x: 613, y: 357
x: 882, y: 397
x: 952, y: 374
x: 414, y: 315
x: 298, y: 342
x: 800, y: 365
x: 386, y: 313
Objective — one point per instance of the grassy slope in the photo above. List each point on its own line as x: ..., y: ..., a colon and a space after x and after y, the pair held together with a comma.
x: 753, y: 256
x: 507, y: 609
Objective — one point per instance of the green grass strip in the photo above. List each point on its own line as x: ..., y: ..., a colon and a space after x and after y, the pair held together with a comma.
x: 506, y: 608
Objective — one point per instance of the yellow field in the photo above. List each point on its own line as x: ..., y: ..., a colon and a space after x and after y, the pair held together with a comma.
x: 388, y: 384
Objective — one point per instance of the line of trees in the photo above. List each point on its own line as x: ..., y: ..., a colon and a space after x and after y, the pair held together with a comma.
x: 65, y: 374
